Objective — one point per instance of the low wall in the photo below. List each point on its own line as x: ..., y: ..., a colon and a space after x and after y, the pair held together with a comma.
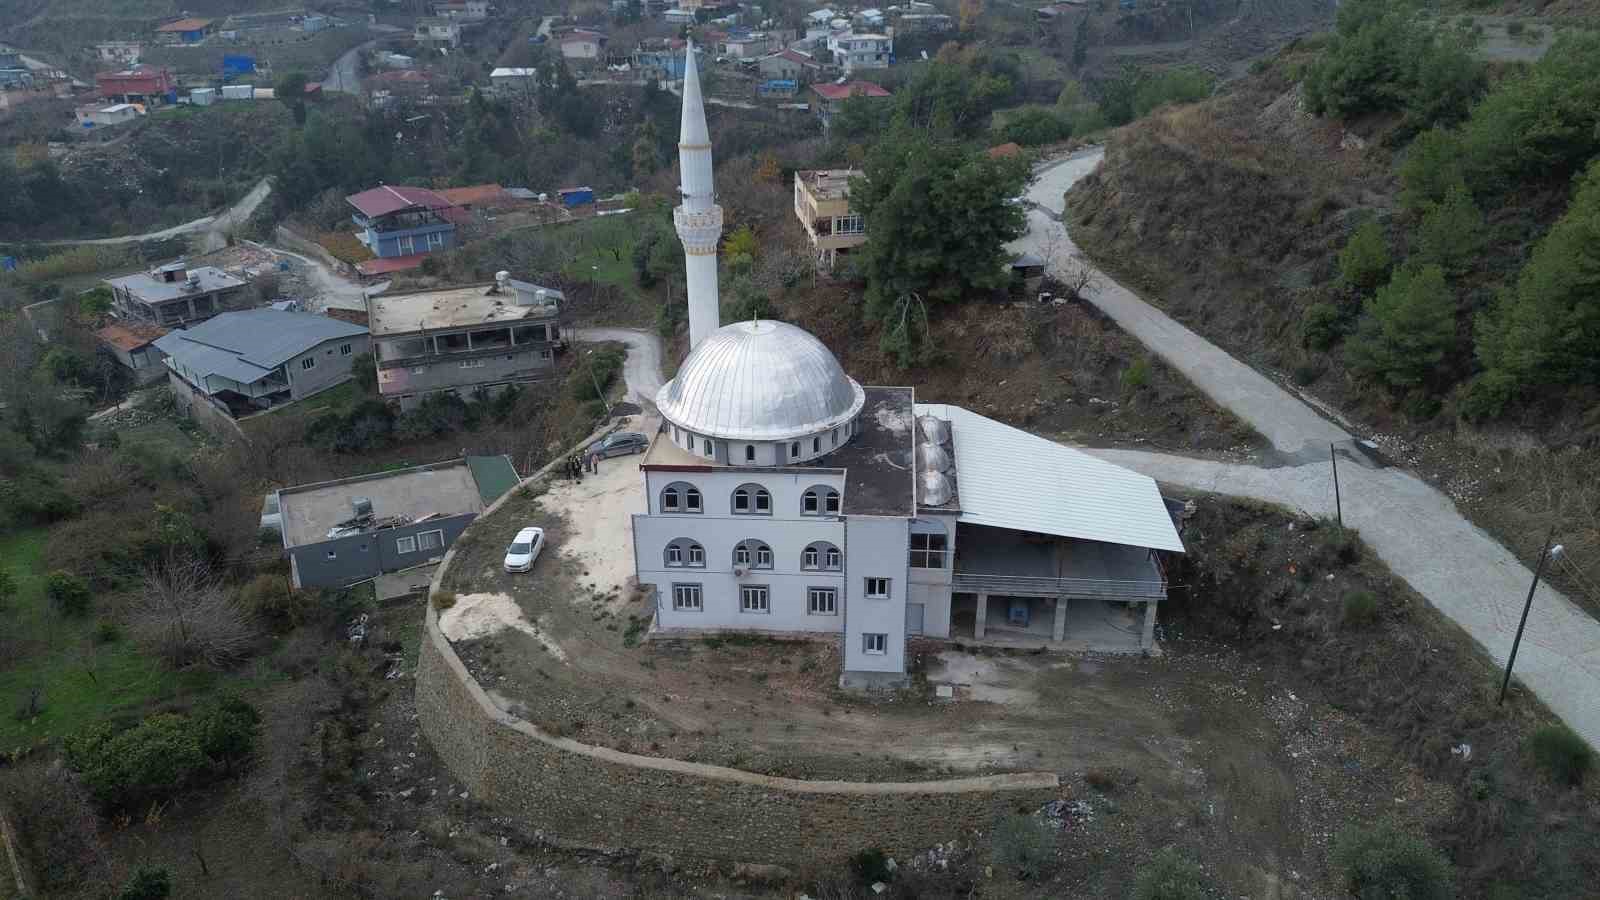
x: 301, y: 244
x: 584, y: 795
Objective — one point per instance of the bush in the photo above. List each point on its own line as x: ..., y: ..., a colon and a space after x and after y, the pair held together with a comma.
x: 1541, y: 124
x: 1024, y: 845
x: 148, y: 762
x: 8, y: 589
x: 1321, y: 326
x: 1360, y: 609
x: 57, y: 830
x: 1451, y: 233
x: 1515, y: 27
x: 67, y: 593
x: 272, y: 599
x: 107, y: 632
x: 1385, y: 862
x: 1382, y: 57
x: 1431, y: 168
x: 147, y: 883
x: 1033, y: 126
x: 870, y: 865
x: 1562, y: 753
x: 443, y: 600
x: 227, y: 731
x: 365, y: 367
x: 1364, y: 262
x: 1169, y: 876
x: 1137, y: 375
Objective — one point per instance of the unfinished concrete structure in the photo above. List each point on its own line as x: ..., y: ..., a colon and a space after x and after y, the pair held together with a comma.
x: 175, y: 295
x: 822, y: 204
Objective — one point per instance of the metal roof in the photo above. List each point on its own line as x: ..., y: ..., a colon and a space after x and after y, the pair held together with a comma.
x: 1012, y: 479
x: 385, y: 199
x: 249, y: 344
x: 760, y: 381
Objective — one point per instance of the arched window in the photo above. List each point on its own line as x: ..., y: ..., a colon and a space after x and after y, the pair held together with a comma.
x: 752, y: 553
x: 820, y: 500
x: 684, y: 552
x: 822, y: 556
x: 929, y: 543
x: 752, y: 500
x: 749, y: 452
x: 681, y: 497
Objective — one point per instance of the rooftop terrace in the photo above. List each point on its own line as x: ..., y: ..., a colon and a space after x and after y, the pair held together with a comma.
x: 311, y: 511
x: 476, y: 304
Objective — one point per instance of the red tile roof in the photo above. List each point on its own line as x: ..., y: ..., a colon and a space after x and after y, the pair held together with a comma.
x: 390, y: 264
x: 386, y: 199
x: 796, y: 56
x: 849, y: 88
x: 353, y: 316
x: 186, y: 25
x: 129, y: 337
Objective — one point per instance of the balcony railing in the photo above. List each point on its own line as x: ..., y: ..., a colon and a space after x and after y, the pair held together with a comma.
x: 1032, y: 586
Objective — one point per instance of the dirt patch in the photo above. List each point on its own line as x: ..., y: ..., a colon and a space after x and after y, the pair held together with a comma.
x: 477, y: 616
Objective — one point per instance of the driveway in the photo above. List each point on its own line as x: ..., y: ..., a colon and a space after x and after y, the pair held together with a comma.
x: 1416, y: 530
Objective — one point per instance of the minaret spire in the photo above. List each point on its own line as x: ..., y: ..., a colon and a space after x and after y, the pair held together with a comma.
x: 698, y: 218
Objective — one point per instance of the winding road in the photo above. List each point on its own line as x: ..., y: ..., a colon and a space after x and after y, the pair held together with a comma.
x: 1415, y: 529
x: 215, y: 228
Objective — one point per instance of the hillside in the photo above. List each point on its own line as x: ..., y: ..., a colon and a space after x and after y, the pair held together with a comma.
x: 1232, y: 214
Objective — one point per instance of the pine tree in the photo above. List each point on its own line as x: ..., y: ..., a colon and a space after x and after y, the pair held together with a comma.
x: 1407, y: 328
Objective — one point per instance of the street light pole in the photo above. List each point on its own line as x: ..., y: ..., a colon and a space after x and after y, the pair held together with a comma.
x: 1548, y: 552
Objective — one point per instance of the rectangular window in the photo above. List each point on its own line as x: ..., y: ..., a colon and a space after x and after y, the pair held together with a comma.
x: 927, y: 551
x: 816, y: 445
x: 833, y: 503
x: 344, y: 349
x: 848, y: 225
x: 835, y: 561
x: 808, y: 503
x: 309, y: 362
x: 472, y: 363
x: 406, y: 245
x: 418, y: 370
x: 406, y: 544
x: 691, y: 501
x: 763, y: 502
x: 749, y: 452
x: 430, y: 540
x: 741, y: 501
x: 753, y: 600
x: 669, y: 501
x: 546, y: 354
x: 674, y: 555
x: 741, y: 555
x: 822, y: 601
x: 875, y: 644
x: 877, y: 589
x: 809, y: 559
x: 764, y: 557
x: 435, y: 240
x: 686, y: 597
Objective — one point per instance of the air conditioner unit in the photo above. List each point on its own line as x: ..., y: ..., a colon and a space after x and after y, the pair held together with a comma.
x: 741, y: 571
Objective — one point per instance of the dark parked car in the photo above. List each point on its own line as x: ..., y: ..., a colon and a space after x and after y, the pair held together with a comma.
x: 621, y: 443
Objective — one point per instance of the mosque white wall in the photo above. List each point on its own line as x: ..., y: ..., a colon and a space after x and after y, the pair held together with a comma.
x: 875, y: 547
x: 762, y: 453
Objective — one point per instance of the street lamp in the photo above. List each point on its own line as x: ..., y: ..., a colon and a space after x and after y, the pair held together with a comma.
x: 1549, y: 552
x: 594, y: 274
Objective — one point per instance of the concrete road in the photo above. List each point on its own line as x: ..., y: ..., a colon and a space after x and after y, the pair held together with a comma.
x: 345, y: 74
x: 215, y: 227
x: 333, y: 291
x: 1417, y: 531
x: 642, y: 371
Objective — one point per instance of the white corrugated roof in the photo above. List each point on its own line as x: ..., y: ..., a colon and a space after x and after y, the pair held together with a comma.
x: 1008, y: 478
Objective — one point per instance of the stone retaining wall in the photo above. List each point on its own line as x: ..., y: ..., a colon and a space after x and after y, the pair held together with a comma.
x: 580, y: 794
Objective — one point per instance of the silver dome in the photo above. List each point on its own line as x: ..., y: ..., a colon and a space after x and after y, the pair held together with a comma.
x: 760, y: 381
x: 935, y: 429
x: 934, y: 459
x: 935, y: 489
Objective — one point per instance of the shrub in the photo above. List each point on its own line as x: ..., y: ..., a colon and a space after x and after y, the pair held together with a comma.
x: 227, y: 731
x: 1432, y: 166
x: 1539, y: 124
x: 1387, y: 861
x: 1035, y: 125
x: 1181, y: 85
x: 1562, y: 753
x: 67, y: 593
x: 870, y: 865
x: 8, y: 588
x: 107, y: 632
x: 365, y: 368
x: 1364, y: 262
x: 443, y: 600
x: 1360, y: 609
x: 57, y: 830
x: 1515, y: 27
x: 1169, y: 876
x: 1408, y: 328
x: 150, y: 761
x: 1381, y: 57
x: 272, y: 599
x: 183, y: 615
x: 1024, y: 845
x: 1137, y: 375
x: 1451, y: 233
x: 1321, y: 326
x: 147, y: 883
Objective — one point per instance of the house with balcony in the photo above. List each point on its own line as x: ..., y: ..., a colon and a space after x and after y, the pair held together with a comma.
x: 822, y: 204
x: 174, y: 295
x: 404, y: 223
x: 244, y: 362
x: 853, y: 51
x: 831, y: 95
x: 472, y: 340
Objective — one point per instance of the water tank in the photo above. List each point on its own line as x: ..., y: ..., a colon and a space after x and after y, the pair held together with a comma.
x: 934, y: 457
x: 934, y: 429
x: 935, y: 489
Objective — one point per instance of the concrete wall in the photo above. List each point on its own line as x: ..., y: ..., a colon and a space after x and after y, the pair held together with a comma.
x: 191, y: 402
x: 931, y: 587
x: 333, y: 365
x: 362, y: 556
x: 444, y: 373
x: 582, y: 795
x: 717, y: 487
x: 875, y: 547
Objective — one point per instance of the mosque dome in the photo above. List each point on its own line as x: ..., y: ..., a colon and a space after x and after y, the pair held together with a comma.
x: 760, y: 381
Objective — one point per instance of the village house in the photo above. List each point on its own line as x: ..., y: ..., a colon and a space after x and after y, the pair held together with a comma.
x: 139, y: 84
x: 481, y: 338
x: 437, y: 33
x: 343, y: 532
x: 831, y: 95
x: 403, y: 223
x: 852, y: 51
x: 782, y: 497
x: 507, y: 80
x: 122, y: 53
x: 244, y: 362
x: 133, y: 346
x: 790, y: 65
x: 583, y: 46
x: 98, y: 116
x: 661, y: 59
x: 924, y: 23
x: 822, y: 204
x: 414, y: 85
x: 184, y: 31
x: 13, y: 74
x: 463, y: 10
x: 747, y: 44
x: 174, y: 295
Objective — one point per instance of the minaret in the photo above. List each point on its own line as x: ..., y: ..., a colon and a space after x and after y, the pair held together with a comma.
x: 698, y: 218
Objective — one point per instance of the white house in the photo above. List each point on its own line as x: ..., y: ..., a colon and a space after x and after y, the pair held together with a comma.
x: 122, y: 53
x: 852, y: 51
x: 437, y: 32
x: 784, y: 497
x: 581, y: 45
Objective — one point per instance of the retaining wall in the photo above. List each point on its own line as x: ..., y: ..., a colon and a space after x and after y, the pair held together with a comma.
x: 580, y: 794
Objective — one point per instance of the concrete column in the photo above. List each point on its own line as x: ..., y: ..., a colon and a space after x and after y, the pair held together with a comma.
x: 1148, y: 638
x: 983, y: 616
x: 1060, y: 632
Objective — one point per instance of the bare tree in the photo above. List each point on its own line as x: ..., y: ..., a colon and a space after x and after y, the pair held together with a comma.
x: 1078, y: 278
x: 183, y: 614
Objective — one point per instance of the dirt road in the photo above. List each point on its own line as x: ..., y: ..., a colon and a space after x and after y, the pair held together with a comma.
x: 1417, y: 530
x: 642, y: 371
x: 214, y: 228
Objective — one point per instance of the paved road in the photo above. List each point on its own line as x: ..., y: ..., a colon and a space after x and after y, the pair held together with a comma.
x: 345, y: 73
x: 642, y: 371
x: 216, y: 227
x: 1416, y: 530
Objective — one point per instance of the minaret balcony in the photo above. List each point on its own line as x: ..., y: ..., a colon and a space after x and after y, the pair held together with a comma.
x: 698, y: 226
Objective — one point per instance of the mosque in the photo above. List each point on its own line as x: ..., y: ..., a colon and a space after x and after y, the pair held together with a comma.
x: 784, y: 497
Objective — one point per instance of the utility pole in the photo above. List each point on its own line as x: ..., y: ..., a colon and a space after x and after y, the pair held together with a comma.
x: 1548, y: 552
x: 1338, y: 505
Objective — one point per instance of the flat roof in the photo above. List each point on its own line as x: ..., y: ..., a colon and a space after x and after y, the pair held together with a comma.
x: 445, y: 489
x: 879, y: 464
x: 478, y: 304
x: 828, y: 184
x: 152, y: 290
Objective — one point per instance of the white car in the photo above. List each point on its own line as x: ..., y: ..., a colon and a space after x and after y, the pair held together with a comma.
x: 524, y: 549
